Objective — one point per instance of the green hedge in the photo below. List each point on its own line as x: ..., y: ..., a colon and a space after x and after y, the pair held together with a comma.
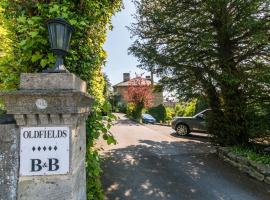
x: 158, y: 112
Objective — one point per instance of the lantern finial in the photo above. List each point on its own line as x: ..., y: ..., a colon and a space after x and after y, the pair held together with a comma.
x: 60, y: 32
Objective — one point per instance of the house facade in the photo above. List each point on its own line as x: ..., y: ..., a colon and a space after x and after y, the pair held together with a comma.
x: 121, y: 88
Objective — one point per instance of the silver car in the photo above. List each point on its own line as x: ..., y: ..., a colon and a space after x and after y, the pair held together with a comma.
x: 185, y: 125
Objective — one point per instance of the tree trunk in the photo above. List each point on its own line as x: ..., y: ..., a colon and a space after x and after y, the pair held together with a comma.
x: 215, y: 121
x: 235, y: 115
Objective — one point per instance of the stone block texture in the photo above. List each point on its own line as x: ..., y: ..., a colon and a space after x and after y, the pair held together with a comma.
x: 45, y: 81
x: 9, y: 161
x: 258, y: 171
x: 53, y: 100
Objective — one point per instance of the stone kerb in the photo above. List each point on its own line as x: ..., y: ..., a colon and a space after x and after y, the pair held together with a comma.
x: 258, y: 171
x: 53, y: 100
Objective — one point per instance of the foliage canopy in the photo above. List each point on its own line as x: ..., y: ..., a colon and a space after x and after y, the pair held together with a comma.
x: 213, y: 48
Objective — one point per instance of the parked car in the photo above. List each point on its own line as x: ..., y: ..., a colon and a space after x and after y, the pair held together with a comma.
x: 146, y: 118
x: 197, y: 123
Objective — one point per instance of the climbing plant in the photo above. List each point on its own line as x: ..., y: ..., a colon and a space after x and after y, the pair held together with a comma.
x: 26, y: 49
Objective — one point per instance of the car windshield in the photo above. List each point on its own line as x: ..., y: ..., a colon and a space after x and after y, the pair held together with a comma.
x: 147, y: 115
x: 203, y: 114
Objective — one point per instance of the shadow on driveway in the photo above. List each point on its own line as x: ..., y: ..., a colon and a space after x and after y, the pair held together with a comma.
x: 192, y: 135
x: 174, y: 171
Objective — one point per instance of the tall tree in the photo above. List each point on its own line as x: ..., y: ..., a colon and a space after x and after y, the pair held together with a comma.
x: 207, y: 47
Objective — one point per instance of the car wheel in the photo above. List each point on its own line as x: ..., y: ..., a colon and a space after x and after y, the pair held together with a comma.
x: 182, y: 129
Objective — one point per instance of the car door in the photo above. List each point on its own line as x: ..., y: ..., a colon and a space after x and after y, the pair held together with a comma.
x: 201, y: 121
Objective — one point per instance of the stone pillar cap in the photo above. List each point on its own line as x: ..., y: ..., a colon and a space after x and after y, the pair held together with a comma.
x: 46, y: 81
x: 47, y: 102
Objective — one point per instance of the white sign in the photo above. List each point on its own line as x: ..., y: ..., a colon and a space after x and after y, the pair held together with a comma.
x: 44, y: 151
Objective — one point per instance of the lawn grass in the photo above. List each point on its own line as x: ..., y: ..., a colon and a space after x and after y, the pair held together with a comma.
x: 252, y: 154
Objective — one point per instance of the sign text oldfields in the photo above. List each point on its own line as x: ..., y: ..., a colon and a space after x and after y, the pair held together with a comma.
x: 44, y: 151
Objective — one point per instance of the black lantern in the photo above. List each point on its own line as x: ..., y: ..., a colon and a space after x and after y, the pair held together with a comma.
x: 60, y: 32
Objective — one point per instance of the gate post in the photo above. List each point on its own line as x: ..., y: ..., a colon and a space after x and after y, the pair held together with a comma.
x: 50, y: 110
x: 9, y: 158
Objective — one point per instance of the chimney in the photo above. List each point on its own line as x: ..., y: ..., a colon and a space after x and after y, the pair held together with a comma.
x: 148, y: 78
x: 126, y: 77
x: 152, y: 78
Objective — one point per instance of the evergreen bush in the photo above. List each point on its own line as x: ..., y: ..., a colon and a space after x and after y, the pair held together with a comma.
x: 158, y: 112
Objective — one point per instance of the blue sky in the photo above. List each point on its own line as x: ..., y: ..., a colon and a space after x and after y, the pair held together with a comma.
x: 117, y: 44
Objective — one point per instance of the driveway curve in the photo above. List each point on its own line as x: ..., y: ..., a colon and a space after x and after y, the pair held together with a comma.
x: 151, y: 163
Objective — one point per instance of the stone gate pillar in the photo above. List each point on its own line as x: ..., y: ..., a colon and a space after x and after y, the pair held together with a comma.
x: 50, y: 110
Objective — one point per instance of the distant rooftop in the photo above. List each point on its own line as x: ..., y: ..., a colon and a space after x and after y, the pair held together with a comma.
x: 134, y: 81
x: 127, y: 81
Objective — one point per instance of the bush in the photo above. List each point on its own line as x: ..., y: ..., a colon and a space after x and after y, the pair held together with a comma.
x: 122, y: 108
x: 201, y: 104
x: 95, y: 127
x: 134, y: 111
x: 258, y: 118
x: 158, y: 112
x: 130, y: 110
x: 170, y: 113
x: 190, y: 108
x: 179, y: 109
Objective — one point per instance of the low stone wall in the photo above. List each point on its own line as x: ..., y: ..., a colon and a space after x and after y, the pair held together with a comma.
x: 9, y: 158
x: 258, y: 171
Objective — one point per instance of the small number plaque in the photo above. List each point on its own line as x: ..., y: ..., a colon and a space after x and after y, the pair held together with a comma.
x: 41, y: 104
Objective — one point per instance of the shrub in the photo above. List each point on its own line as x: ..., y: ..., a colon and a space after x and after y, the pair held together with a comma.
x: 201, y: 104
x: 190, y: 108
x: 122, y: 108
x: 134, y: 111
x: 170, y: 113
x: 258, y: 118
x: 179, y: 109
x: 158, y: 112
x: 130, y: 110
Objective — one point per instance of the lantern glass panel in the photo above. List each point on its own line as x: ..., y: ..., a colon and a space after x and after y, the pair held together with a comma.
x: 60, y: 34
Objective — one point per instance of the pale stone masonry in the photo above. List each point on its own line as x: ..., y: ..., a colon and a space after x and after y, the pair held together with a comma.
x: 66, y: 81
x: 53, y: 100
x: 9, y: 158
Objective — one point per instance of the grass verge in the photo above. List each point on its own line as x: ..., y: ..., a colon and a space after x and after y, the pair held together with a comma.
x: 252, y: 154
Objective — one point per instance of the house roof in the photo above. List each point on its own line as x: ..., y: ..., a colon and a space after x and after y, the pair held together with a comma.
x: 133, y: 82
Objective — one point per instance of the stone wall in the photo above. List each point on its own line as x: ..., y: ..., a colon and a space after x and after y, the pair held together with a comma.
x: 9, y: 158
x: 258, y: 171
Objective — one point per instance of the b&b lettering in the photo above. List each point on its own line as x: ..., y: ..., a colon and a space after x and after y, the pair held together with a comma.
x: 36, y: 165
x: 53, y: 164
